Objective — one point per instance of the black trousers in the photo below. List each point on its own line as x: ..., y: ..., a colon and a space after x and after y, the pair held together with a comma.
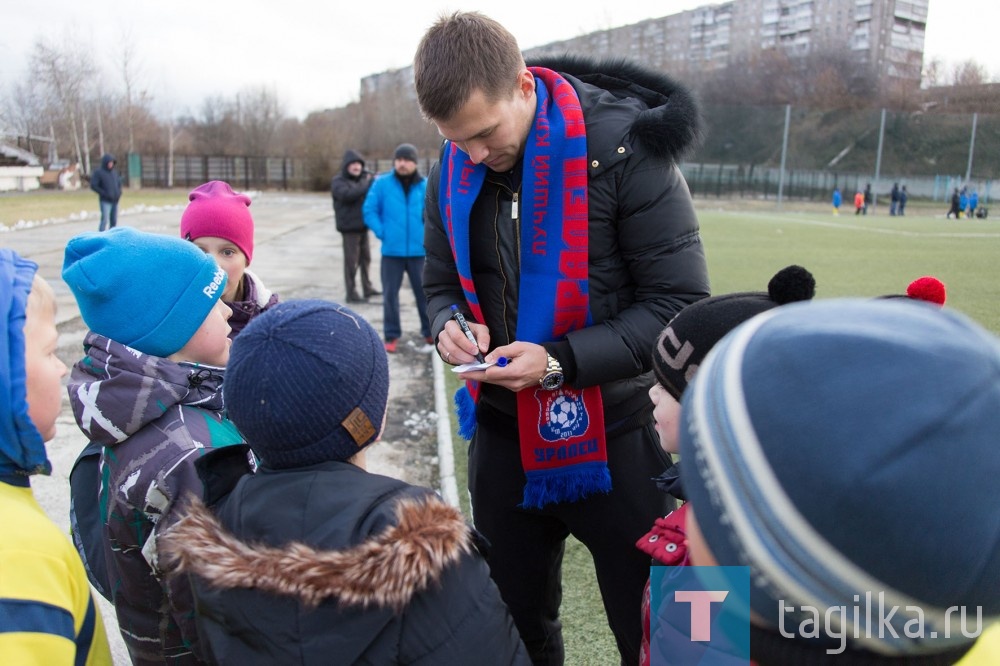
x: 527, y: 545
x: 357, y: 254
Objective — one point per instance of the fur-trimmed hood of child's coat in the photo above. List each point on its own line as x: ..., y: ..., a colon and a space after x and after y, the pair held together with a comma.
x: 669, y: 127
x: 385, y: 571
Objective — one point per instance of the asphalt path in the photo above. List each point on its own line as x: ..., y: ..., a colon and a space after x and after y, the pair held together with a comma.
x: 297, y: 254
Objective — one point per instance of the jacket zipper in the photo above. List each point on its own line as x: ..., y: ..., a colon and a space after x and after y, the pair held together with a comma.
x: 516, y: 220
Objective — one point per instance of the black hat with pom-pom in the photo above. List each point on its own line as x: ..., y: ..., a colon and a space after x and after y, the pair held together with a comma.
x: 693, y: 331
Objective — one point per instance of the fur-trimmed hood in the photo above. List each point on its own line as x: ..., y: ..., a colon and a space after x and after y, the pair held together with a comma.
x: 670, y: 126
x: 385, y: 571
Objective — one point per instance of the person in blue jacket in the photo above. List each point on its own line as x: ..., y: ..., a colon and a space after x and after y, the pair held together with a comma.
x: 108, y: 185
x: 393, y: 210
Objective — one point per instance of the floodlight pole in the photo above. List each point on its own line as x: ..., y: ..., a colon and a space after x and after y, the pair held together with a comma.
x: 972, y: 146
x: 878, y: 161
x: 784, y: 151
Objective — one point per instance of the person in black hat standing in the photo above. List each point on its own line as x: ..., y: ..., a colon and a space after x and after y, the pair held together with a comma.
x: 348, y: 189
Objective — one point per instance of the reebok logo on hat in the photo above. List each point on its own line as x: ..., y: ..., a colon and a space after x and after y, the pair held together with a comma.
x: 214, y: 285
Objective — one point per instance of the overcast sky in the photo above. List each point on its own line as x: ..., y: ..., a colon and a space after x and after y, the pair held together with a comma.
x: 314, y: 54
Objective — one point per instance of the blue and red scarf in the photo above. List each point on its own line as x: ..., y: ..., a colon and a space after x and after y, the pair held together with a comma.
x: 562, y: 439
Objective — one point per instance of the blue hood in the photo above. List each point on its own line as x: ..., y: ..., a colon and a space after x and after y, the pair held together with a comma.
x: 22, y: 450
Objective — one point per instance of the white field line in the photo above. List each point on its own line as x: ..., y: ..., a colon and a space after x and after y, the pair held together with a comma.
x: 870, y: 229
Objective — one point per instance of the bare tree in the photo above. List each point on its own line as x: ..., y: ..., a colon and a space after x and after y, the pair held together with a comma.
x: 64, y: 74
x: 969, y: 73
x: 259, y: 114
x: 933, y: 73
x: 214, y: 132
x: 23, y: 110
x: 130, y: 70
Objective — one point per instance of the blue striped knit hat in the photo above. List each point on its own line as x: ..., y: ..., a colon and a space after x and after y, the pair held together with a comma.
x: 847, y: 449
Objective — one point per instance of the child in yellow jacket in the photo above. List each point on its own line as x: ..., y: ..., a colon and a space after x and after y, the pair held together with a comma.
x: 47, y: 612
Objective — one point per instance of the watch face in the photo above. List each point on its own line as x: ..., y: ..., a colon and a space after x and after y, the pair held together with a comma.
x: 552, y: 381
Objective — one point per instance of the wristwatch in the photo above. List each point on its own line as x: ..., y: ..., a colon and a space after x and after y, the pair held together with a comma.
x: 553, y: 377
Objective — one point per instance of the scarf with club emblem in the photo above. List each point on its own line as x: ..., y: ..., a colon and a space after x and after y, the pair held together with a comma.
x: 562, y: 438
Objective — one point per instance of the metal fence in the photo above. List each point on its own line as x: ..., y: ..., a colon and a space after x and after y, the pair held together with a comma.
x: 241, y: 172
x: 728, y: 181
x: 706, y: 180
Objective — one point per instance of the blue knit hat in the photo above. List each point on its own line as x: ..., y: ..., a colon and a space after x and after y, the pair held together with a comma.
x: 307, y: 382
x: 148, y: 291
x: 845, y: 448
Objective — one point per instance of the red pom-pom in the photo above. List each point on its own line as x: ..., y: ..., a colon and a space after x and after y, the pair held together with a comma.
x: 928, y: 289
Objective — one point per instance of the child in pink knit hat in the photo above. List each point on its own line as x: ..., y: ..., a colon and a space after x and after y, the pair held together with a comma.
x: 218, y: 221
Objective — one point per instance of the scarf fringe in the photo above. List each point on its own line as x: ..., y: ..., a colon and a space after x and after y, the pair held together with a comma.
x: 568, y: 484
x: 465, y: 409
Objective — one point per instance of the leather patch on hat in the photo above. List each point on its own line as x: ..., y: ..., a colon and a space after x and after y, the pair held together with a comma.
x: 359, y: 426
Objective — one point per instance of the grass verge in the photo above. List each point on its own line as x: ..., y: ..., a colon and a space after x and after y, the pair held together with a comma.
x: 42, y: 205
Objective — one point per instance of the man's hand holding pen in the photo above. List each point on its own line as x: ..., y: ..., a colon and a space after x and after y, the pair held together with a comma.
x: 526, y: 361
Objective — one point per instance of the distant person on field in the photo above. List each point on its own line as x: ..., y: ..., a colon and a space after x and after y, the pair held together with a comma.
x: 956, y: 206
x: 859, y: 202
x: 868, y: 198
x: 973, y: 203
x: 894, y: 200
x: 314, y: 560
x: 836, y: 200
x: 902, y: 200
x: 108, y: 185
x: 47, y: 612
x: 348, y: 189
x: 149, y: 390
x: 394, y: 211
x: 963, y: 201
x: 218, y: 221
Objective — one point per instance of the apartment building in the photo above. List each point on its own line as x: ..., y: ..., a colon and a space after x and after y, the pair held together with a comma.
x: 885, y: 35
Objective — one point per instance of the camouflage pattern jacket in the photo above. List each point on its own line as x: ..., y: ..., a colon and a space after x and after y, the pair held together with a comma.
x: 151, y: 419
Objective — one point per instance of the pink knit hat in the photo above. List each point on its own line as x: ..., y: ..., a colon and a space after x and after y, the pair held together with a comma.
x: 215, y: 210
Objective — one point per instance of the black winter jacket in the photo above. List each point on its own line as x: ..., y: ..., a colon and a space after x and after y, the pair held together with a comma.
x: 646, y: 260
x: 106, y: 182
x: 348, y: 194
x: 330, y: 564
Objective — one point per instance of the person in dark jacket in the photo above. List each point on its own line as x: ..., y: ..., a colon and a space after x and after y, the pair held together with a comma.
x: 108, y: 185
x: 560, y: 226
x: 956, y: 206
x: 348, y: 189
x: 149, y: 393
x: 313, y: 559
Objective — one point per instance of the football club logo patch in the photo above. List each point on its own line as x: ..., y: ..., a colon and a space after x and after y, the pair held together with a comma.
x: 563, y: 414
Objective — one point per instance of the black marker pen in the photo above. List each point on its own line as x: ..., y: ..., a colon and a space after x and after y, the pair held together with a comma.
x: 460, y: 318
